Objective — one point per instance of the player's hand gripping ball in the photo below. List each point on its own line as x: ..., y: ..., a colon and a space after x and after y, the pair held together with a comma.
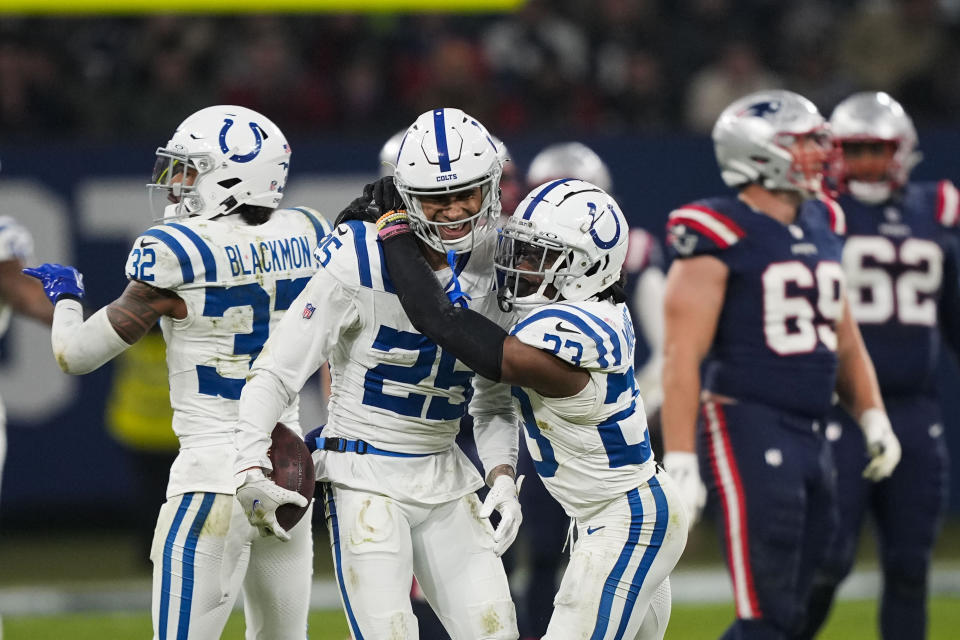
x: 292, y: 470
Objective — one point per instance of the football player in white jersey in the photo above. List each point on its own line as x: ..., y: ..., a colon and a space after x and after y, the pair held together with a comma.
x: 571, y: 358
x: 644, y: 286
x: 399, y: 494
x: 18, y: 293
x: 218, y: 273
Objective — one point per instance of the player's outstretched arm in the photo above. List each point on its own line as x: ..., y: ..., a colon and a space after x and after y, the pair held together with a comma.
x: 693, y: 300
x: 480, y: 343
x: 24, y: 293
x: 83, y: 346
x: 859, y: 393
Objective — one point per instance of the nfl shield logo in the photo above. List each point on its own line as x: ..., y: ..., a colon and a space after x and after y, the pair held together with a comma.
x: 308, y: 311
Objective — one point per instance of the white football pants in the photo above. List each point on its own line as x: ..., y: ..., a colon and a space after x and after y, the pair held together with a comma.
x: 379, y: 544
x: 620, y: 565
x: 204, y: 551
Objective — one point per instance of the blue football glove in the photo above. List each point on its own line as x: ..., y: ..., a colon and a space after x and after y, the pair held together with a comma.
x: 58, y: 280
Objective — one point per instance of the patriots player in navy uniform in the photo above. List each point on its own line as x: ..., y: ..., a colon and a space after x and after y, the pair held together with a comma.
x: 900, y: 261
x: 756, y: 295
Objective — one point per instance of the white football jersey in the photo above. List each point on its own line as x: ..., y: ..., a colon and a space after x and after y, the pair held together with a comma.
x: 594, y: 445
x: 16, y: 243
x: 392, y: 387
x: 236, y: 280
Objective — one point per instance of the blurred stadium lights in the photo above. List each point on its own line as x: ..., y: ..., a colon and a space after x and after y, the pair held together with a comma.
x: 82, y: 7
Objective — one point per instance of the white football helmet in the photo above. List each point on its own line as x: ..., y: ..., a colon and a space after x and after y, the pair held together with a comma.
x: 567, y: 239
x: 443, y: 152
x: 388, y: 153
x: 753, y: 137
x: 569, y: 160
x: 874, y: 116
x: 238, y: 156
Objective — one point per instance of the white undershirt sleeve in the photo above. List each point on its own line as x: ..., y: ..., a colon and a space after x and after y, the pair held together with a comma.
x: 496, y: 428
x: 81, y: 347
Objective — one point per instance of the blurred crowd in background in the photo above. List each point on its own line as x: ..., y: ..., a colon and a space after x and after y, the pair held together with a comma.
x: 583, y: 67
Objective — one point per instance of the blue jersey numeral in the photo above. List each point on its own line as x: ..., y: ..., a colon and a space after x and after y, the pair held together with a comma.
x: 216, y: 303
x: 143, y: 259
x: 439, y: 408
x: 324, y: 249
x: 569, y: 344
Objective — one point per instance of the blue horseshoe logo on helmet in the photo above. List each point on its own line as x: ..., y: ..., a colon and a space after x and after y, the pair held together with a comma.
x: 603, y: 244
x: 227, y: 123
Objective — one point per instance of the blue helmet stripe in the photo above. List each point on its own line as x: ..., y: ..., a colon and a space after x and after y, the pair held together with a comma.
x: 440, y: 131
x: 543, y: 192
x: 209, y: 262
x: 186, y: 268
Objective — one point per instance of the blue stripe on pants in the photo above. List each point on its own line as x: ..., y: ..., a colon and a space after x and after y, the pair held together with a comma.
x: 167, y: 559
x: 656, y: 540
x: 189, y: 554
x: 610, y: 586
x: 334, y: 525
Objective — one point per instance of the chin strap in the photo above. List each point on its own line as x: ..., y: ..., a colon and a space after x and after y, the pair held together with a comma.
x: 457, y: 297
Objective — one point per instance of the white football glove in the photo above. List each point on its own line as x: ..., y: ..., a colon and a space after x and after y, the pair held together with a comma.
x: 503, y: 497
x: 683, y: 468
x: 260, y: 496
x: 883, y: 447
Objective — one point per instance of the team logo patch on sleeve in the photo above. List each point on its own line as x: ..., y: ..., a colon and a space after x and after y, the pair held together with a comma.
x: 308, y: 311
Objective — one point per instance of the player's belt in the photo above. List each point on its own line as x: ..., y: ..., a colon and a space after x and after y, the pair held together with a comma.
x: 361, y: 447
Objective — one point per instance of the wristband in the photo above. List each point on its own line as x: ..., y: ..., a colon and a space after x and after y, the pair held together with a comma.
x: 393, y: 223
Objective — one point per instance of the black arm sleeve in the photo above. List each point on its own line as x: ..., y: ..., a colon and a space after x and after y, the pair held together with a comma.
x: 469, y: 336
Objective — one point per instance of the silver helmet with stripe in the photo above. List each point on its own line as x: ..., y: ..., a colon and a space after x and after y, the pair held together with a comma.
x: 445, y: 155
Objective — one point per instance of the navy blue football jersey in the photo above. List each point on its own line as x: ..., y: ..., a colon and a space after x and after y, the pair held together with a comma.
x: 900, y: 262
x: 776, y: 341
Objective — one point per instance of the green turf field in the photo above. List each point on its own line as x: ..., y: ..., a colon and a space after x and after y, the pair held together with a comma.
x: 852, y: 620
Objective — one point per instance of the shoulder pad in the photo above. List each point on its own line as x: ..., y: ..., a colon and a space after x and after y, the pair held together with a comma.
x: 696, y: 229
x: 16, y: 243
x: 838, y: 219
x: 352, y: 254
x: 170, y: 255
x: 948, y: 204
x: 576, y: 335
x: 643, y: 251
x: 320, y: 224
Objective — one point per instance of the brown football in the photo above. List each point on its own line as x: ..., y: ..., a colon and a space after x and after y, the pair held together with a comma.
x: 293, y: 470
